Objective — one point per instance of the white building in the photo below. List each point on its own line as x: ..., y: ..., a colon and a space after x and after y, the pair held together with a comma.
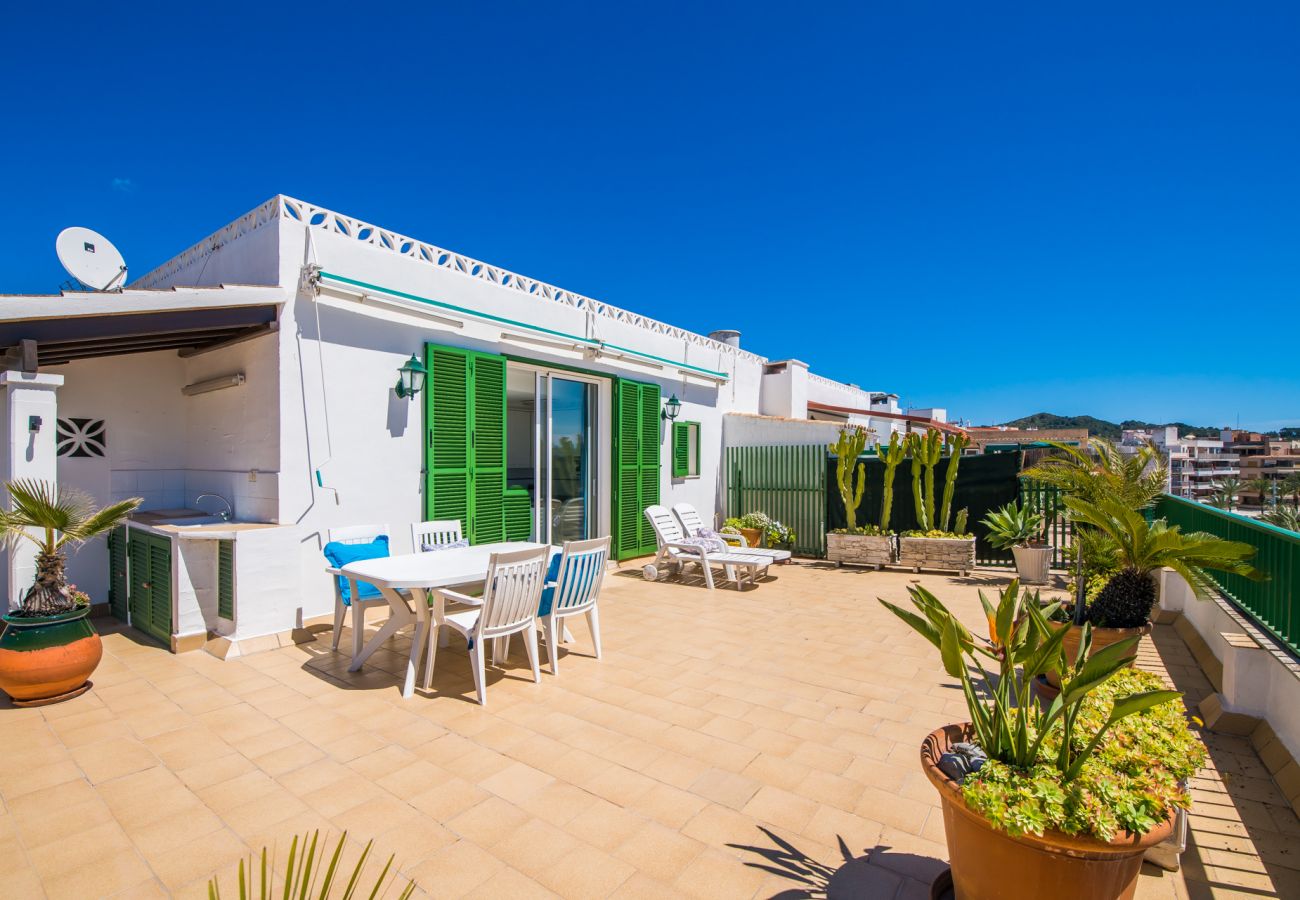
x: 259, y: 365
x: 1196, y: 465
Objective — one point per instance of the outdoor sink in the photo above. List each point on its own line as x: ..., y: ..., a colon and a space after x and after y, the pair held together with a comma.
x: 194, y: 521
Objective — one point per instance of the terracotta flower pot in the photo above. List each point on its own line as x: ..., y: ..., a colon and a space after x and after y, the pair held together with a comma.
x: 988, y: 864
x: 753, y: 536
x: 48, y: 658
x: 1101, y: 637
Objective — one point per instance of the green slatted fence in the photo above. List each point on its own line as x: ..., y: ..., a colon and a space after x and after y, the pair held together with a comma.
x: 787, y: 483
x: 1273, y: 604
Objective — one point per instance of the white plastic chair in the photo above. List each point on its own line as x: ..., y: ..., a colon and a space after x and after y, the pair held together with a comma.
x: 676, y: 550
x: 513, y: 589
x: 355, y: 534
x: 434, y: 533
x: 576, y: 589
x: 693, y: 524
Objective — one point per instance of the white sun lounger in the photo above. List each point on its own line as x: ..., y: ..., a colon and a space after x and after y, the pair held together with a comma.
x: 692, y: 525
x: 676, y: 551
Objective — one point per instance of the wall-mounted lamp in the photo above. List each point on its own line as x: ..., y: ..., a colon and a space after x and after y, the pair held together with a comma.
x: 410, y: 378
x: 672, y: 408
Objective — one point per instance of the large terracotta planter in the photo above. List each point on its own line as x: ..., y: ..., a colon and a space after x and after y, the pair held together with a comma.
x: 992, y: 865
x: 753, y: 536
x: 1101, y: 637
x: 1032, y: 563
x: 860, y: 549
x: 48, y: 658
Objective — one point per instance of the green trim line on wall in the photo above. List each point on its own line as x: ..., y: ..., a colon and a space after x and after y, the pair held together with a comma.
x: 514, y: 323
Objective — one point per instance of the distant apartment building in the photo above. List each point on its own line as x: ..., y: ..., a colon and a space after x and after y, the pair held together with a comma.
x: 1263, y: 457
x: 1004, y: 439
x: 1196, y: 465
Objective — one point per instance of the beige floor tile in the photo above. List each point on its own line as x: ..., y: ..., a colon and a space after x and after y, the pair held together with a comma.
x: 660, y: 852
x: 516, y: 783
x: 456, y: 869
x: 586, y: 872
x: 113, y: 758
x: 198, y: 859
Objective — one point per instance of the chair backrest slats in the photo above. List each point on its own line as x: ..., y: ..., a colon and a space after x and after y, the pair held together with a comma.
x: 689, y: 518
x: 665, y: 526
x: 356, y: 534
x: 582, y: 569
x: 512, y: 590
x: 434, y: 533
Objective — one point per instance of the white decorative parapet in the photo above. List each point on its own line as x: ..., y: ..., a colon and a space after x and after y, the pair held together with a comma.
x: 392, y: 242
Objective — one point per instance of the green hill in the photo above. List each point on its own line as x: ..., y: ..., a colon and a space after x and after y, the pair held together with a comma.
x: 1102, y: 428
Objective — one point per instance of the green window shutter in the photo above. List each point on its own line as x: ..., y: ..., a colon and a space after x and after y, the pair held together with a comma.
x: 488, y: 446
x: 446, y: 421
x: 138, y: 551
x: 650, y: 440
x: 226, y: 579
x: 681, y: 450
x: 518, y: 514
x: 465, y: 447
x: 636, y: 466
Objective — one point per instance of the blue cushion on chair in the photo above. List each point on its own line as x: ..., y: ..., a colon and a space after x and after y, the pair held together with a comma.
x: 340, y: 554
x: 548, y: 592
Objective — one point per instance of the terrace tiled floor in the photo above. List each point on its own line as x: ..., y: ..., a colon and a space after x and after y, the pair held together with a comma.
x: 729, y: 745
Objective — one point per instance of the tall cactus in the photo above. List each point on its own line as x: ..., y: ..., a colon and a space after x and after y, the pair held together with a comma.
x: 931, y: 452
x: 891, y: 456
x: 852, y: 441
x: 912, y: 444
x: 958, y: 443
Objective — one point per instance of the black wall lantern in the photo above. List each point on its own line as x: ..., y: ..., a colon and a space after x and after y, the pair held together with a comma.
x: 672, y: 408
x: 411, y: 378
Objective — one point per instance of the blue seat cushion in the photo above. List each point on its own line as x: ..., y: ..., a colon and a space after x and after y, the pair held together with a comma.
x: 340, y: 554
x: 548, y: 591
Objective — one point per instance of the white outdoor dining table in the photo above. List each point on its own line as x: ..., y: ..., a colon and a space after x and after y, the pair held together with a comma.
x: 418, y: 573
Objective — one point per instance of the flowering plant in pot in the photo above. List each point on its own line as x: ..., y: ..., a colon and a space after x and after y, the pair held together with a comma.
x: 48, y: 649
x: 1065, y: 797
x: 752, y: 526
x: 1020, y: 529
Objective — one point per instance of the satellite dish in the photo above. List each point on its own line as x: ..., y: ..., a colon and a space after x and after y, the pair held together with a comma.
x: 91, y: 259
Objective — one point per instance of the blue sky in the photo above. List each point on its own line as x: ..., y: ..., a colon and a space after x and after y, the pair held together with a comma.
x: 997, y: 208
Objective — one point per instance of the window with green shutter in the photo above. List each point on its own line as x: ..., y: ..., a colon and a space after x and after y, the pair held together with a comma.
x: 465, y: 445
x: 686, y: 449
x: 636, y: 466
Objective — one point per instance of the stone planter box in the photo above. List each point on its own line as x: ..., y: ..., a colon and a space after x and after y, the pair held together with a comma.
x: 860, y: 549
x: 952, y: 554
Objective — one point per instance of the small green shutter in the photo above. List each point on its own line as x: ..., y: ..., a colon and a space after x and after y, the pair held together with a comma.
x: 636, y: 463
x: 518, y: 514
x: 139, y: 596
x: 226, y: 579
x: 465, y: 445
x: 681, y: 449
x: 160, y: 594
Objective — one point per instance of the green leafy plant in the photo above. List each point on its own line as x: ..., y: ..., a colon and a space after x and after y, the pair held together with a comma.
x: 959, y: 524
x: 847, y: 448
x: 933, y: 533
x: 1224, y: 493
x: 1100, y: 470
x: 1131, y: 783
x: 1262, y: 486
x: 1049, y: 744
x: 1013, y: 526
x: 1141, y: 548
x: 303, y: 877
x: 54, y: 518
x: 891, y: 455
x: 1282, y: 517
x: 778, y: 533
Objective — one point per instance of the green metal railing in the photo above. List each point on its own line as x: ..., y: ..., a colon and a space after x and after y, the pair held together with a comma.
x: 1273, y: 604
x: 787, y: 483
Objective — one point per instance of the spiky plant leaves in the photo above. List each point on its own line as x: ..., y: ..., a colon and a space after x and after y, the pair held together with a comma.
x: 302, y: 873
x: 1125, y: 601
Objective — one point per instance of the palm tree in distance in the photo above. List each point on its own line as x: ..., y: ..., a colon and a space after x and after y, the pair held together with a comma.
x: 1263, y: 487
x: 1225, y: 493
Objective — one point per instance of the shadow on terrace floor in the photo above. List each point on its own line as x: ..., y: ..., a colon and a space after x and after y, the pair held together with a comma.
x: 1244, y: 838
x: 878, y: 872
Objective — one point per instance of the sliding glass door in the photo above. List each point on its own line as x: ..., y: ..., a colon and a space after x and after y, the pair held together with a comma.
x: 552, y: 450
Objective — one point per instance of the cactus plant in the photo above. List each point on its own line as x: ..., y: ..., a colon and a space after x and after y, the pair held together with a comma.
x: 852, y: 441
x: 931, y: 449
x: 913, y: 446
x: 891, y: 456
x: 958, y: 443
x: 960, y: 526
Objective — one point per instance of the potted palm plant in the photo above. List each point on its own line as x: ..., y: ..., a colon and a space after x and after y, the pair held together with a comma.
x: 1120, y: 607
x: 1021, y: 529
x: 48, y: 650
x: 1056, y: 800
x: 864, y: 545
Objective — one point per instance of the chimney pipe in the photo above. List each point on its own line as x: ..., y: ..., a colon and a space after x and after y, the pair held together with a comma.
x: 726, y: 336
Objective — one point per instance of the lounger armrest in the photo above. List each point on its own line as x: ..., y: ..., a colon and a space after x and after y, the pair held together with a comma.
x: 694, y: 549
x: 330, y: 570
x: 736, y: 540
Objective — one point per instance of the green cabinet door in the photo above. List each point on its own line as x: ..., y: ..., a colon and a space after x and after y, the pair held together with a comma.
x: 117, y: 586
x: 149, y: 558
